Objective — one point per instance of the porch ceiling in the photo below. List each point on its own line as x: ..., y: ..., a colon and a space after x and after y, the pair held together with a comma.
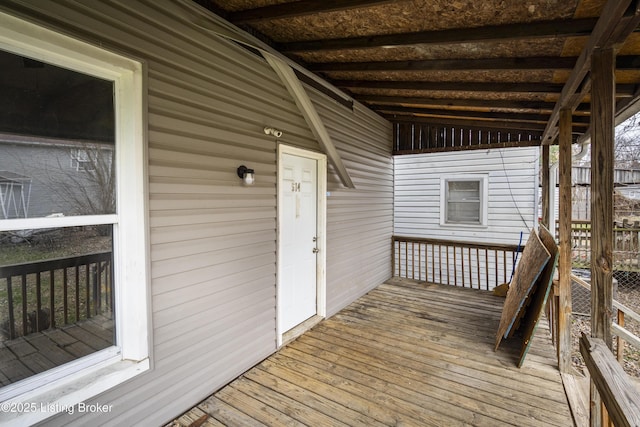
x: 494, y: 64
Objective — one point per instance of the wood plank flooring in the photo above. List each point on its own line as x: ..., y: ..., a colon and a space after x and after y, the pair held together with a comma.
x: 34, y: 353
x: 406, y: 354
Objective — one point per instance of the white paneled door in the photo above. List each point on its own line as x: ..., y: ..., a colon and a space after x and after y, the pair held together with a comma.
x: 298, y: 189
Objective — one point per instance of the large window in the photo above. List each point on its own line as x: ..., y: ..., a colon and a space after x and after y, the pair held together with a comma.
x: 73, y: 247
x: 464, y: 200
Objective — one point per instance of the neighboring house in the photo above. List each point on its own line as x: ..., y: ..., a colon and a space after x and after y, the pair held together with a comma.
x: 199, y: 284
x: 42, y: 176
x: 479, y: 196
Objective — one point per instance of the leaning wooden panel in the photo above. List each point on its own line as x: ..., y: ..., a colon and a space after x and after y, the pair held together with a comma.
x: 534, y: 257
x: 540, y: 295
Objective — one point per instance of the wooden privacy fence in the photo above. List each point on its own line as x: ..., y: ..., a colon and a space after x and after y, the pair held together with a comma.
x: 626, y: 244
x: 45, y: 294
x: 466, y: 264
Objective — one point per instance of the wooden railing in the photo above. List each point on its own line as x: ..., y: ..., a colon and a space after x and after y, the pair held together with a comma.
x: 465, y: 264
x: 46, y: 294
x: 626, y: 244
x: 624, y: 335
x: 619, y: 395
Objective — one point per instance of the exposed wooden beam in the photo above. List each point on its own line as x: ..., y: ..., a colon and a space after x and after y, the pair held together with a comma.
x: 561, y: 28
x: 609, y: 23
x: 450, y: 86
x: 531, y: 63
x: 625, y: 108
x: 553, y: 88
x: 504, y: 125
x: 472, y: 103
x: 630, y: 62
x: 298, y: 8
x: 500, y: 144
x: 541, y: 106
x: 538, y: 118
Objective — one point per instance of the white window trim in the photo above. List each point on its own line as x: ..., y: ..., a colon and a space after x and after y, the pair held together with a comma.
x: 87, y: 377
x: 484, y: 199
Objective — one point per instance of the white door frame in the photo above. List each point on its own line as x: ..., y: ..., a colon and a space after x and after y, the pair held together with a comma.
x: 321, y: 224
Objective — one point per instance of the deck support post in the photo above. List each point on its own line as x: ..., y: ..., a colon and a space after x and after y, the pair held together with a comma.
x: 602, y: 156
x: 564, y: 234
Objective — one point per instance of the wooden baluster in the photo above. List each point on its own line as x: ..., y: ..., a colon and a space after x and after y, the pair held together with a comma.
x: 478, y: 265
x: 23, y: 278
x: 77, y: 289
x: 440, y: 261
x: 65, y: 296
x: 52, y: 301
x: 495, y: 253
x: 12, y: 320
x: 486, y: 268
x: 34, y: 328
x: 620, y: 346
x: 87, y: 285
x: 455, y: 267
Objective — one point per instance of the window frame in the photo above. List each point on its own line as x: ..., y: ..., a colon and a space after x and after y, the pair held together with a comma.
x: 79, y: 380
x: 483, y: 180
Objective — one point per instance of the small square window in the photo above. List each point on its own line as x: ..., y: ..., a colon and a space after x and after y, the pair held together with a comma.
x: 463, y: 200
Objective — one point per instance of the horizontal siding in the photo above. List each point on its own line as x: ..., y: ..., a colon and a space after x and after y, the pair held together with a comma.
x: 360, y: 221
x: 512, y: 181
x: 213, y: 241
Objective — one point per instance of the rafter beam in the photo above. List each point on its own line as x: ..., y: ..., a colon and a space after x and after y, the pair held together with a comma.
x: 553, y: 88
x: 558, y: 28
x: 298, y: 8
x: 504, y: 125
x: 611, y: 29
x: 450, y: 86
x: 532, y: 63
x: 631, y: 62
x: 469, y: 103
x: 536, y: 118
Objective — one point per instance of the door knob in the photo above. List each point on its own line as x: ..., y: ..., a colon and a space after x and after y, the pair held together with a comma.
x: 316, y: 250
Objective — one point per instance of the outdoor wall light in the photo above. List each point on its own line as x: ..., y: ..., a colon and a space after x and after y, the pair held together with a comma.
x: 247, y: 175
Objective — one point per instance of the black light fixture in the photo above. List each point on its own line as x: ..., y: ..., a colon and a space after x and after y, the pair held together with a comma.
x: 247, y: 175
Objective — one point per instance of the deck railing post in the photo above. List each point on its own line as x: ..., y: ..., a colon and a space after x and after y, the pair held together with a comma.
x: 564, y: 246
x: 602, y: 154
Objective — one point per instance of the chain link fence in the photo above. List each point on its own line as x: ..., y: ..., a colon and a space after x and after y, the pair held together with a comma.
x: 626, y: 287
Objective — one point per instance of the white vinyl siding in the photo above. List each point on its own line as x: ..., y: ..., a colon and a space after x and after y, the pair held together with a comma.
x: 511, y: 181
x: 360, y: 221
x: 213, y: 240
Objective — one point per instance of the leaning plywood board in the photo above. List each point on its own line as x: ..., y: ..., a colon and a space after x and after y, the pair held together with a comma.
x: 534, y: 257
x: 540, y: 295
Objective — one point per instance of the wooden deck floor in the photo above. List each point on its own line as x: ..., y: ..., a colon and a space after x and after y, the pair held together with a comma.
x: 34, y: 353
x: 405, y: 354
